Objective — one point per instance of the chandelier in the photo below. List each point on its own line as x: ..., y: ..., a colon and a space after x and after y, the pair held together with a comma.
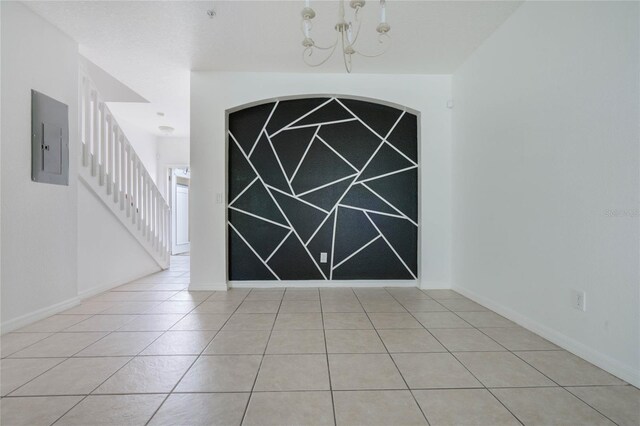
x: 346, y: 35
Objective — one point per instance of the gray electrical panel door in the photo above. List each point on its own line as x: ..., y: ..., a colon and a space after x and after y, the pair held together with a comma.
x: 49, y: 140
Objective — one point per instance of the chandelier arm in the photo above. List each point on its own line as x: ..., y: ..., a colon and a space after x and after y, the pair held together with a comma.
x: 304, y: 57
x: 332, y: 47
x: 384, y: 49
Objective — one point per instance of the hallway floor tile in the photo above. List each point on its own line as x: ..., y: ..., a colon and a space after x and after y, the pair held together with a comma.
x: 151, y: 352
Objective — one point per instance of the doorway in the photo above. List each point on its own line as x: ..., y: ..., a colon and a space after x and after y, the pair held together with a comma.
x: 179, y: 180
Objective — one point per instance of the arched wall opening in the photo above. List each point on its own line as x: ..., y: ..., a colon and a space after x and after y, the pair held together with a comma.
x: 322, y: 188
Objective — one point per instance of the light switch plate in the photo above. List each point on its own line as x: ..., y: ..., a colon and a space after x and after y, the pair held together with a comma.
x: 323, y: 257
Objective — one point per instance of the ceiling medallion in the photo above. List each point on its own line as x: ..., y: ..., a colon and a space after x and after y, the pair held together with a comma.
x: 346, y: 34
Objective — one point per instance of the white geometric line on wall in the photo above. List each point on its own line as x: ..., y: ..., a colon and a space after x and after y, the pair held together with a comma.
x: 333, y: 242
x: 390, y: 246
x: 278, y: 160
x: 304, y: 155
x: 243, y: 191
x: 263, y: 128
x: 299, y: 199
x: 397, y: 216
x: 325, y: 185
x: 278, y: 246
x: 254, y: 252
x: 303, y: 126
x: 401, y: 153
x: 387, y: 174
x: 365, y: 124
x: 259, y: 217
x: 377, y: 237
x: 338, y: 154
x: 302, y: 116
x: 388, y: 203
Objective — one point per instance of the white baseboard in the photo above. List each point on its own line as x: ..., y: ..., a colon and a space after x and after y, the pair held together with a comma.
x: 85, y: 294
x: 323, y: 283
x: 208, y: 287
x: 599, y: 359
x: 434, y: 285
x: 37, y: 315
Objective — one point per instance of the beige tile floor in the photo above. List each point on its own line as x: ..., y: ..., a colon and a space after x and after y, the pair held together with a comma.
x: 150, y: 352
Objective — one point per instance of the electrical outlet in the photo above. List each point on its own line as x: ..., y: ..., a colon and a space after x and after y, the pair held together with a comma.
x: 579, y: 300
x: 323, y: 257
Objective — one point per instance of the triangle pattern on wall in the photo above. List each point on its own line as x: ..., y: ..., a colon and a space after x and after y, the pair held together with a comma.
x: 401, y: 235
x: 247, y: 266
x: 386, y: 160
x: 266, y: 163
x: 290, y: 146
x: 246, y: 124
x: 346, y: 192
x: 322, y: 242
x: 257, y: 201
x: 320, y: 166
x: 244, y: 174
x: 327, y: 197
x: 304, y: 268
x: 360, y: 197
x: 263, y: 236
x: 303, y: 217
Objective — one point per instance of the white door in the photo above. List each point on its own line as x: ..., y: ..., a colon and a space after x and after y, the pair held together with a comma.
x: 180, y: 190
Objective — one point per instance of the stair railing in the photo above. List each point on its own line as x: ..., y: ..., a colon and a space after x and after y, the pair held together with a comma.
x: 110, y: 159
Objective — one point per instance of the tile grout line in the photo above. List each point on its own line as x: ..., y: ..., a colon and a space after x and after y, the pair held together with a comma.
x: 514, y: 353
x: 452, y: 354
x: 391, y: 357
x: 264, y: 353
x: 326, y: 350
x: 125, y: 364
x: 198, y: 356
x: 557, y: 385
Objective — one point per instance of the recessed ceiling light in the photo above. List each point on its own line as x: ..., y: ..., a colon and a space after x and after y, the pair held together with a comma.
x: 167, y: 130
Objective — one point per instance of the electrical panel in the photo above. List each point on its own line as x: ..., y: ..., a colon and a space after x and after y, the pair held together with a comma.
x: 49, y: 140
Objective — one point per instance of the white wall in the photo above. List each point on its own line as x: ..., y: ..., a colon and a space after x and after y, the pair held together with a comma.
x: 213, y: 93
x: 108, y: 255
x: 38, y: 220
x: 545, y: 145
x: 171, y: 152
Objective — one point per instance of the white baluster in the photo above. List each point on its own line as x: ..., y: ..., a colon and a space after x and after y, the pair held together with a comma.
x: 108, y: 170
x: 145, y: 207
x: 95, y: 134
x: 102, y: 144
x: 87, y: 122
x: 123, y: 169
x: 116, y: 163
x: 134, y: 187
x: 128, y: 178
x: 149, y: 206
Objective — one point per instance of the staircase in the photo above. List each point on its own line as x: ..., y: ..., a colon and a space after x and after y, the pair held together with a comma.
x: 112, y: 169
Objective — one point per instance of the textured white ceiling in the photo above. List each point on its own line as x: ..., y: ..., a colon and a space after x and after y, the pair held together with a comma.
x: 152, y: 45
